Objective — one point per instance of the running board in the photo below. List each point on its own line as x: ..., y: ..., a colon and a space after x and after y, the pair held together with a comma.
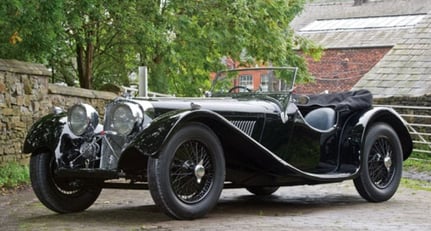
x: 334, y: 176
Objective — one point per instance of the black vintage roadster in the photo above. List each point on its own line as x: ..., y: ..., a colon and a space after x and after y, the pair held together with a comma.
x: 246, y: 133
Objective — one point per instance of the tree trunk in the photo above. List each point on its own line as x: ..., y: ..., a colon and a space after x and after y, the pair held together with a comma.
x: 89, y: 65
x: 84, y: 60
x: 80, y: 64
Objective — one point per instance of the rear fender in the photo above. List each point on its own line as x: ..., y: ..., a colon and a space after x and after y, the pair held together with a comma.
x: 385, y: 115
x: 45, y: 133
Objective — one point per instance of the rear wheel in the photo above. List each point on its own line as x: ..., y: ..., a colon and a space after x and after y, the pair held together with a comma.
x: 262, y: 191
x: 61, y: 195
x: 381, y: 169
x: 187, y: 178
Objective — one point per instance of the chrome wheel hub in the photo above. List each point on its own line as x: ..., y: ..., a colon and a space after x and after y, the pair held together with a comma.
x: 199, y: 172
x: 388, y: 162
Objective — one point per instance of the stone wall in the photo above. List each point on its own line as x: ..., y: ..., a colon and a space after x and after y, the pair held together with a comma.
x: 414, y: 110
x: 26, y: 95
x: 406, y: 105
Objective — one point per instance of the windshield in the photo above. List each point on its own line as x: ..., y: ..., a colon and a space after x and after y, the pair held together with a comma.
x: 259, y: 79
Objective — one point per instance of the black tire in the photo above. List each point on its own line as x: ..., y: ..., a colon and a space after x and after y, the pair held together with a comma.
x: 173, y: 176
x: 262, y: 191
x: 59, y: 195
x: 381, y: 168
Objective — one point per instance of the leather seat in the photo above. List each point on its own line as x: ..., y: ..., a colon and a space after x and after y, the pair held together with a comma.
x: 322, y: 118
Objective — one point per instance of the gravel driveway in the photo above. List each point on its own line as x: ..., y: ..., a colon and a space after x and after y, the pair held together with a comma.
x: 322, y: 207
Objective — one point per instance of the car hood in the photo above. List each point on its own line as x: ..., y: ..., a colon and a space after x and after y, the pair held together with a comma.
x: 217, y: 104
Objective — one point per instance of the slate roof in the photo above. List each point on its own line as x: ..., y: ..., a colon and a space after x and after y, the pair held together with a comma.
x: 338, y: 9
x: 360, y: 32
x: 406, y: 69
x: 403, y: 71
x: 364, y: 23
x: 339, y: 24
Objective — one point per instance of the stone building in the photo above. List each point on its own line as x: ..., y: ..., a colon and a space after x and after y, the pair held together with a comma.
x: 378, y: 45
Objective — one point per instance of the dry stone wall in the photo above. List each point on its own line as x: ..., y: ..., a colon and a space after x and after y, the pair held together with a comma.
x: 26, y: 95
x: 415, y: 111
x: 411, y: 107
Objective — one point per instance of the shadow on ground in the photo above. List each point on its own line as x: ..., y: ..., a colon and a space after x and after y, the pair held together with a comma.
x: 238, y: 206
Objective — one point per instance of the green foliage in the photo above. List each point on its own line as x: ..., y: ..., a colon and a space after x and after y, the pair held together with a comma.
x: 181, y: 42
x: 29, y: 29
x: 13, y: 174
x: 202, y: 32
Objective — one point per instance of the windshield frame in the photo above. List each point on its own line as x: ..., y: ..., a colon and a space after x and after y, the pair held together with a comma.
x: 221, y: 73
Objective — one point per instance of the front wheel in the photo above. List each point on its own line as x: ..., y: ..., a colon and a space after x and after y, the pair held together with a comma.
x: 61, y: 195
x: 381, y: 168
x: 187, y: 178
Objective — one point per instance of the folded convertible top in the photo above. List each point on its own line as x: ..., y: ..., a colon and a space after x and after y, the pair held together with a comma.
x: 351, y: 100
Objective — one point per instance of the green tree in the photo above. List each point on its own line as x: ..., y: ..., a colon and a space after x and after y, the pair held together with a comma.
x: 29, y: 29
x: 191, y: 37
x: 75, y: 38
x: 97, y: 31
x: 181, y: 42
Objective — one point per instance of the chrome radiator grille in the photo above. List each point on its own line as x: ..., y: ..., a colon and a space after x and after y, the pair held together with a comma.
x: 111, y: 149
x: 246, y: 126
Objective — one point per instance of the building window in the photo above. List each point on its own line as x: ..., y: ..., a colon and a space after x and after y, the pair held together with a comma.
x: 246, y: 81
x: 264, y: 80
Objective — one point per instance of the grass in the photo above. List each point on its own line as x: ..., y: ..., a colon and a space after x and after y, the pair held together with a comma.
x: 13, y: 174
x: 416, y: 184
x: 419, y: 162
x: 418, y: 165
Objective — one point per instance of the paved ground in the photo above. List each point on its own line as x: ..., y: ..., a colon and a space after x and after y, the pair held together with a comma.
x: 323, y: 207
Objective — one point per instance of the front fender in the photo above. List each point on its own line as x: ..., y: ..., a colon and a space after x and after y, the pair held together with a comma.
x: 45, y: 133
x: 152, y: 139
x: 385, y: 115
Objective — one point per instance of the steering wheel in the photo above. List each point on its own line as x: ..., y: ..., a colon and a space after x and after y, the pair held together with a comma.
x: 239, y: 87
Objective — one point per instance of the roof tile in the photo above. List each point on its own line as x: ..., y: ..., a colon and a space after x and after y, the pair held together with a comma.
x: 409, y: 62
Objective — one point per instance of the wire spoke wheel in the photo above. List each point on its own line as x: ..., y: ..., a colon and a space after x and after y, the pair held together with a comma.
x: 187, y: 177
x: 380, y: 168
x: 190, y: 185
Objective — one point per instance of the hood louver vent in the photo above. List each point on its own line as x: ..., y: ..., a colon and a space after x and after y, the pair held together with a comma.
x: 246, y: 126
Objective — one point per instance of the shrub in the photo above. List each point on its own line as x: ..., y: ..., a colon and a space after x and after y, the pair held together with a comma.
x: 13, y: 174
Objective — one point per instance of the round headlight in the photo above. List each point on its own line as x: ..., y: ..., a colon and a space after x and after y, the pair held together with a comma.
x: 124, y: 118
x: 82, y: 118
